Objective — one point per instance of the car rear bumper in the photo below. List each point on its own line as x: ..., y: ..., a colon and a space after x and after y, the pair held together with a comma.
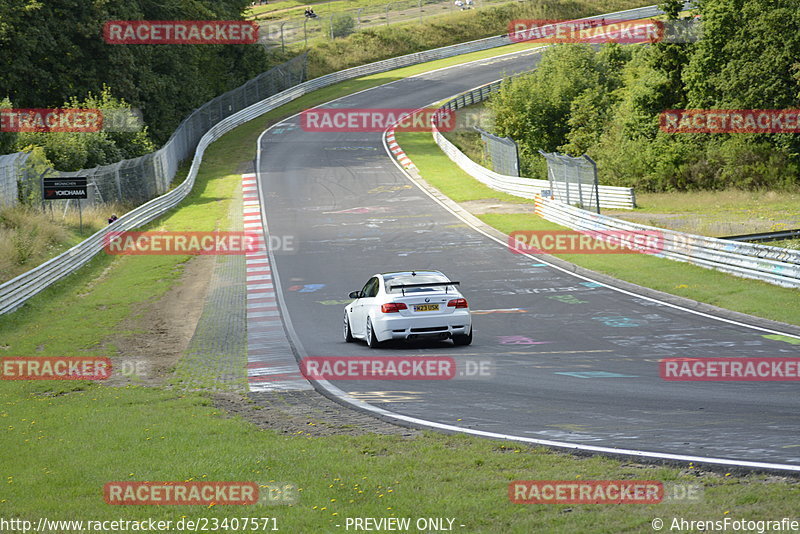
x: 434, y: 327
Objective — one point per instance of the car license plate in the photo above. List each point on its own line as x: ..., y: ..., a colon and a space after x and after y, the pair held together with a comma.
x: 426, y: 307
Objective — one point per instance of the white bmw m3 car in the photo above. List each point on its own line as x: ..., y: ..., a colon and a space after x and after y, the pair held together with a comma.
x: 408, y: 305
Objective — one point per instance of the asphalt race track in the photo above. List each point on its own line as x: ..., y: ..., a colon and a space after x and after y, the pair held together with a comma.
x: 572, y: 361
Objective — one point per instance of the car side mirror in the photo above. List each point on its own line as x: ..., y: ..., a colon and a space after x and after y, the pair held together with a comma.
x: 355, y: 294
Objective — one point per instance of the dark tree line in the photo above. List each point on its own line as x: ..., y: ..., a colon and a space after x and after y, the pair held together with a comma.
x: 53, y: 52
x: 607, y: 103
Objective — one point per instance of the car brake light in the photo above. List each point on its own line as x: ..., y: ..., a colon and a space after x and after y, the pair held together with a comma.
x: 393, y: 307
x: 458, y: 303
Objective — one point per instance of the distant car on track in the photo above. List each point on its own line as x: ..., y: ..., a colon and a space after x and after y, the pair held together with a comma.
x: 408, y: 305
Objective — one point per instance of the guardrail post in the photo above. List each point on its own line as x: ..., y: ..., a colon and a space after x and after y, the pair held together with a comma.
x: 387, y: 13
x: 116, y: 179
x: 596, y: 188
x: 40, y: 180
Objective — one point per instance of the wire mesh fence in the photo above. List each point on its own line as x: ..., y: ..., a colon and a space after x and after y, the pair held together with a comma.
x: 332, y: 21
x: 501, y: 153
x: 573, y: 180
x: 135, y: 181
x: 11, y: 167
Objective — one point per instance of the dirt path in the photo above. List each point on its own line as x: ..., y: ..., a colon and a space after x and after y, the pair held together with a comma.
x: 154, y: 337
x: 493, y: 205
x: 285, y: 9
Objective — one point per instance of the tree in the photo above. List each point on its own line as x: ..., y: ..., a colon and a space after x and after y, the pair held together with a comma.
x: 81, y: 150
x: 8, y: 140
x: 535, y: 109
x: 51, y: 52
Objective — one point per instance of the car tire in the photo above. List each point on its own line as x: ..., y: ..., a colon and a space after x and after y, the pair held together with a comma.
x: 348, y: 333
x: 372, y: 341
x: 463, y: 340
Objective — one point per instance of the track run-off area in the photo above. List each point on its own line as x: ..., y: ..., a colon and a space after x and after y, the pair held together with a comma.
x: 574, y: 361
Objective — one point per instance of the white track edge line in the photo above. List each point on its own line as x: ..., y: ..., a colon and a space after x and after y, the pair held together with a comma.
x: 347, y: 399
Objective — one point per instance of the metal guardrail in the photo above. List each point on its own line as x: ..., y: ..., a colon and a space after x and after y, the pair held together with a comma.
x: 775, y: 265
x: 15, y: 292
x: 611, y: 197
x: 763, y: 237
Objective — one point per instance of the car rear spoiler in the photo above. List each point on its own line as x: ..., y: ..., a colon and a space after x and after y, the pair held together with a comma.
x: 431, y: 284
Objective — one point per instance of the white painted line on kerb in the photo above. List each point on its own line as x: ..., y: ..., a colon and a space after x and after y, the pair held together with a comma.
x: 352, y: 401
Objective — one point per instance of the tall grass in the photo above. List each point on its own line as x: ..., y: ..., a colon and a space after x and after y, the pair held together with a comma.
x: 466, y: 138
x: 29, y: 237
x: 377, y: 43
x: 718, y: 213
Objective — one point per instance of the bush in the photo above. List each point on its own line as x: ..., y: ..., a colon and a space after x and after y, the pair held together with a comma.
x: 342, y: 26
x: 75, y: 151
x: 29, y: 190
x: 8, y: 140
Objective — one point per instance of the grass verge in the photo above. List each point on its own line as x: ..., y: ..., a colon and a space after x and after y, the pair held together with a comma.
x: 718, y: 213
x: 747, y: 296
x: 147, y: 434
x: 382, y: 42
x: 118, y: 282
x: 138, y: 433
x: 29, y: 237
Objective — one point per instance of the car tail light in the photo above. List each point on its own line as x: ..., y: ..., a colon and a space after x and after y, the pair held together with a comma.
x: 458, y: 303
x: 393, y: 307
